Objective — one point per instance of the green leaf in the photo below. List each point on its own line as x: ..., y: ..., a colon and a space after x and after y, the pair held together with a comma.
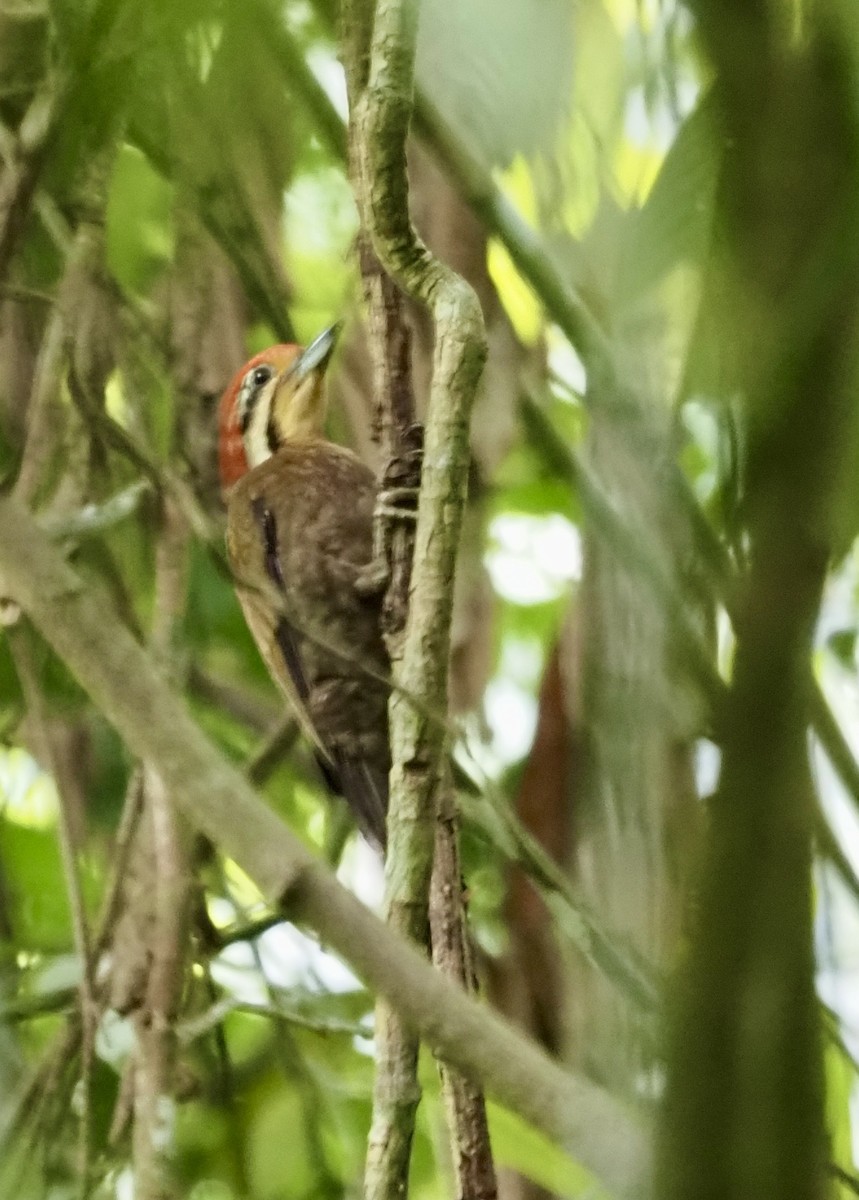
x: 842, y: 644
x: 33, y: 872
x: 139, y: 232
x: 840, y: 1081
x: 517, y: 1146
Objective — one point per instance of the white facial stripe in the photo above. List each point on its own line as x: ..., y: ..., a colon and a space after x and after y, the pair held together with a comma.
x: 252, y: 384
x: 255, y: 435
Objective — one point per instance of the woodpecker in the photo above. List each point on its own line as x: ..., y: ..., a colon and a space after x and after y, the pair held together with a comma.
x: 300, y: 546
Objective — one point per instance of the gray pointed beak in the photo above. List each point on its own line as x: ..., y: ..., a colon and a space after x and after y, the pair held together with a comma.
x: 318, y: 353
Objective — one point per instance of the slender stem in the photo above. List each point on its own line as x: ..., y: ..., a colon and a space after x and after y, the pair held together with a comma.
x: 22, y: 652
x: 452, y: 953
x: 93, y: 519
x: 155, y: 1021
x: 381, y: 122
x: 24, y: 167
x: 168, y: 906
x: 396, y: 1088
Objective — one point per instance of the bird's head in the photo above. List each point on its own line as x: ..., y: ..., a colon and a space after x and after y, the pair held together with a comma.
x: 277, y: 396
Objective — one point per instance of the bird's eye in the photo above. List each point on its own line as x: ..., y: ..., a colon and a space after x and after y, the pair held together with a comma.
x: 249, y: 393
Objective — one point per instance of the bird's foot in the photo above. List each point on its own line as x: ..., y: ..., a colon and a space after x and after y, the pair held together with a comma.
x: 397, y: 503
x: 373, y: 578
x: 403, y: 472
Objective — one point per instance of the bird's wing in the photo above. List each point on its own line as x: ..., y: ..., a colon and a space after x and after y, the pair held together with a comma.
x: 273, y: 632
x: 279, y: 642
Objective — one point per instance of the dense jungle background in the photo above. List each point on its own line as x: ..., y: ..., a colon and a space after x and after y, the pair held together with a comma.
x: 654, y: 673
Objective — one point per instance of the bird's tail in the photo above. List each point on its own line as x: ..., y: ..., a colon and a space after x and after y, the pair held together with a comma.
x: 365, y: 791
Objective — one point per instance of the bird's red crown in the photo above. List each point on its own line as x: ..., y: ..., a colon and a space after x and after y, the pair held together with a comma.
x: 232, y: 455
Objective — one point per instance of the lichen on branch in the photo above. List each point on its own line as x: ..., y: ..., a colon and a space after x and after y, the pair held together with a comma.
x: 380, y: 50
x: 381, y: 120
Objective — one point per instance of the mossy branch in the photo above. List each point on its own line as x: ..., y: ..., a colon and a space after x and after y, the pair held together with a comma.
x: 460, y: 351
x: 396, y: 1087
x: 381, y: 117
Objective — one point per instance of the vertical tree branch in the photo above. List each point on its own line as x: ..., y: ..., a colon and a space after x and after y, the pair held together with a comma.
x: 396, y: 1089
x: 382, y: 85
x: 22, y: 652
x: 636, y: 817
x: 744, y: 1111
x: 474, y: 1169
x: 22, y: 169
x: 460, y: 349
x: 47, y: 418
x: 155, y: 1054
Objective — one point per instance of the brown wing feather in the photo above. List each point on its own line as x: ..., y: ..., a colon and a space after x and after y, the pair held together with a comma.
x: 362, y: 781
